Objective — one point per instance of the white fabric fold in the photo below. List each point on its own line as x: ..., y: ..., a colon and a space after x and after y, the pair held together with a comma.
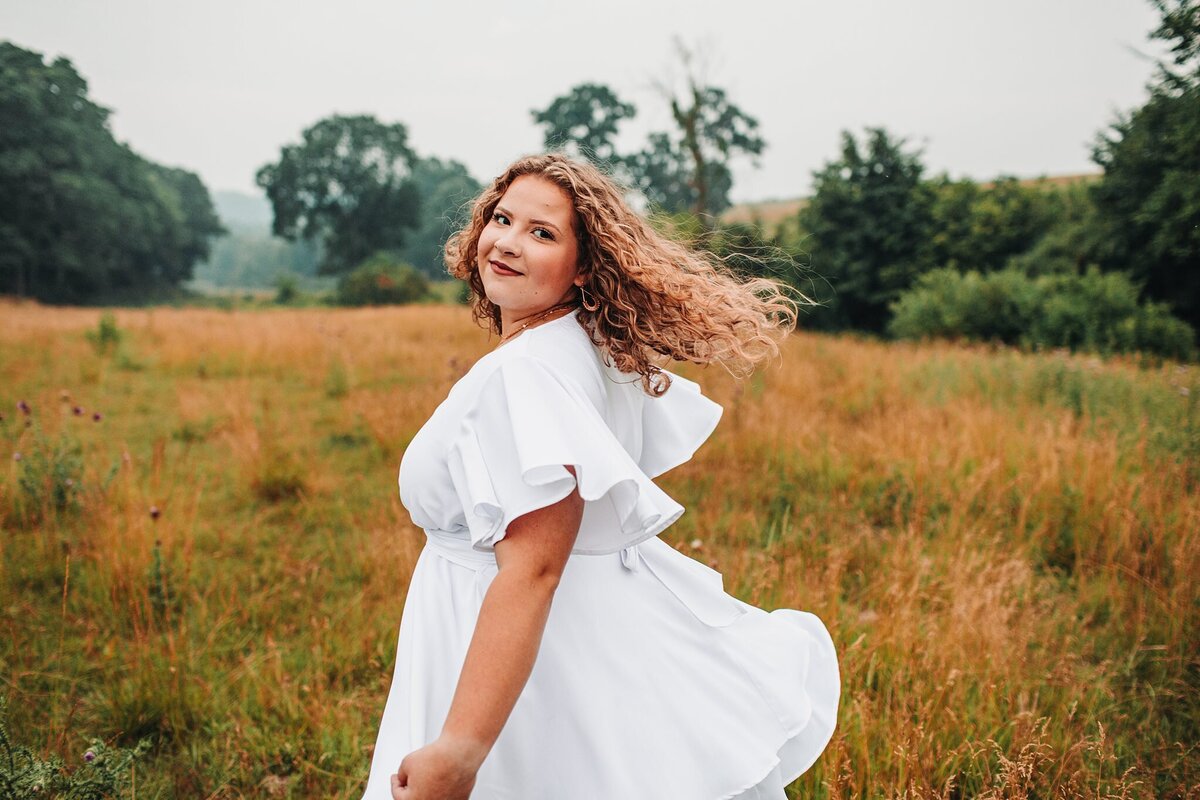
x: 528, y: 423
x: 675, y: 425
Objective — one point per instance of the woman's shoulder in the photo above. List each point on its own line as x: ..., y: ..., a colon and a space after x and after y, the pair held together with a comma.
x: 562, y: 348
x: 559, y: 350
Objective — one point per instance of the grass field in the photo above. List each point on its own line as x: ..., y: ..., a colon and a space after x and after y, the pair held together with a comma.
x: 1005, y: 547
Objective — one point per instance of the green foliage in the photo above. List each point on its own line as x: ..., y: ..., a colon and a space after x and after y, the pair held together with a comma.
x: 345, y: 185
x: 1096, y: 311
x: 1149, y: 199
x: 1072, y: 242
x: 746, y: 250
x: 337, y: 380
x: 583, y: 123
x: 287, y: 288
x: 279, y: 477
x: 869, y: 220
x: 107, y: 336
x: 50, y: 476
x: 445, y: 188
x: 83, y: 217
x: 381, y: 280
x: 687, y: 168
x: 683, y: 169
x: 661, y: 174
x: 973, y: 227
x: 105, y: 772
x: 164, y: 601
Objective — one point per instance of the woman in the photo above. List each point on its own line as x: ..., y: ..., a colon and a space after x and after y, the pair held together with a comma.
x: 532, y: 481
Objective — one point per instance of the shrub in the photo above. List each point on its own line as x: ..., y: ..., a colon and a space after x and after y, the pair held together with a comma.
x: 380, y: 280
x: 50, y: 475
x: 287, y: 289
x: 1095, y: 311
x: 106, y: 770
x: 107, y: 335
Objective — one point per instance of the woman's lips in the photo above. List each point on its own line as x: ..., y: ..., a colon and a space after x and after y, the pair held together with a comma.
x: 500, y: 269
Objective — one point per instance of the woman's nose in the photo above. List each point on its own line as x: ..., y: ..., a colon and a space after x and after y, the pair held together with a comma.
x: 507, y: 243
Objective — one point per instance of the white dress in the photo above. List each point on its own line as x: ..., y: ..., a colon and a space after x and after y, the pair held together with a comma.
x: 651, y: 683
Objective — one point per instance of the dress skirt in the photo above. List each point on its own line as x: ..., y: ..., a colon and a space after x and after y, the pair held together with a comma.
x: 651, y: 683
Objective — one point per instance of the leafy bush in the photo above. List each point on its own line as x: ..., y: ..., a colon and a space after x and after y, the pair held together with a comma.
x: 107, y: 335
x: 106, y: 771
x: 380, y: 280
x: 50, y: 475
x: 1095, y: 311
x: 287, y: 289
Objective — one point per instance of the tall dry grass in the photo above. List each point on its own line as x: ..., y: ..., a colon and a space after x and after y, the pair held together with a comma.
x: 1004, y: 546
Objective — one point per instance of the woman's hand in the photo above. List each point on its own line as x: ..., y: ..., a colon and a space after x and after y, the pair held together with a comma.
x: 442, y: 770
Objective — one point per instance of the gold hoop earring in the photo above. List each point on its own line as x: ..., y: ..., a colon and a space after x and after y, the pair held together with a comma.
x: 589, y: 302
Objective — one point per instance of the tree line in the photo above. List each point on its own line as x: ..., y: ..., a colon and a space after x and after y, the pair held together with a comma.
x: 82, y: 216
x: 880, y: 245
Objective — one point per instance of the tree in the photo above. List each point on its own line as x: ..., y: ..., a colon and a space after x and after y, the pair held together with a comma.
x: 347, y: 185
x: 83, y: 217
x: 193, y: 222
x: 445, y: 187
x: 661, y: 174
x: 710, y: 131
x: 1149, y: 198
x: 978, y: 228
x: 868, y: 220
x: 583, y: 123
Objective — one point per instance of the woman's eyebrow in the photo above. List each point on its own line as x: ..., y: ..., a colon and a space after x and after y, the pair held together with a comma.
x: 548, y: 224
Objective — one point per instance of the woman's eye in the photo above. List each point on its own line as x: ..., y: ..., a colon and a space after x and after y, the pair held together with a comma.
x: 500, y: 218
x: 548, y: 235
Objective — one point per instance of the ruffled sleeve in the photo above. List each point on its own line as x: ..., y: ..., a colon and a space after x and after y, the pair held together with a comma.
x: 508, y: 459
x: 675, y: 425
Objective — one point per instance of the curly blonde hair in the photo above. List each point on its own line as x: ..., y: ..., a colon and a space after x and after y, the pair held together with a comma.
x: 658, y: 299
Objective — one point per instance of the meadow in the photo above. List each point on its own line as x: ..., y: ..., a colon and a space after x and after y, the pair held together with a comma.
x: 203, y: 544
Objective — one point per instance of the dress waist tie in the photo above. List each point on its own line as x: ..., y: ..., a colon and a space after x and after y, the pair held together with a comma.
x: 696, y: 585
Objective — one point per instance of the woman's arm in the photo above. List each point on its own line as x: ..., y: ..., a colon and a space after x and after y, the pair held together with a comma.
x: 504, y: 646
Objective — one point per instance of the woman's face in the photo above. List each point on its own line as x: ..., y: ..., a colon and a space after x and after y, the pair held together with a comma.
x: 528, y: 251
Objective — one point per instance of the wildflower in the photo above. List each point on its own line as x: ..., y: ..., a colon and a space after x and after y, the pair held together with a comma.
x: 97, y: 416
x: 89, y: 756
x: 23, y: 407
x: 69, y: 482
x: 77, y: 411
x: 154, y: 512
x: 697, y: 544
x: 16, y: 456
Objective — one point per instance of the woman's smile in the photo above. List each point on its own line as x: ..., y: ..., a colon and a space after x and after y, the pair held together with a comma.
x: 500, y: 268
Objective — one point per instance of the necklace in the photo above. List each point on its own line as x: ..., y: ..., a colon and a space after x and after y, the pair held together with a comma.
x: 532, y: 318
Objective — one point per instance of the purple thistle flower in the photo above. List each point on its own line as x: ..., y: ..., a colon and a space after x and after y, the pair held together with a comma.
x: 23, y: 407
x: 77, y: 411
x: 16, y: 456
x: 89, y: 756
x: 97, y: 416
x: 154, y: 512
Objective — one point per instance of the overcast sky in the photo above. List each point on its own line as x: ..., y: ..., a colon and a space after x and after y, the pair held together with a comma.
x: 984, y: 88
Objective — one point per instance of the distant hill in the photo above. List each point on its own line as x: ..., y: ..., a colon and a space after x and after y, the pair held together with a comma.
x: 773, y: 212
